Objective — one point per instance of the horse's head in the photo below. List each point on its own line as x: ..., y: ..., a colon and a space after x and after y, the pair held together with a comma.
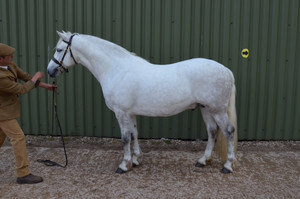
x: 63, y: 57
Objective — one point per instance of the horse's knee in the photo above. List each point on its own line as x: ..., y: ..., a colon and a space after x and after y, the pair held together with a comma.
x: 126, y: 137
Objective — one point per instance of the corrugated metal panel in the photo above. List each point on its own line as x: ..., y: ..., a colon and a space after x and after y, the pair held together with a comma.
x: 164, y: 31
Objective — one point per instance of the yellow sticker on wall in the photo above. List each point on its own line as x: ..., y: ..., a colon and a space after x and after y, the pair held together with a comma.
x: 245, y: 53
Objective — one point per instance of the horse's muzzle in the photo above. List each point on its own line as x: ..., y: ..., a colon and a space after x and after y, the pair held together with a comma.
x: 52, y: 73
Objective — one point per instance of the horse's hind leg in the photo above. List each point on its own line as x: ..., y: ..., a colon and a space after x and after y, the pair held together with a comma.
x: 211, y: 127
x: 228, y: 129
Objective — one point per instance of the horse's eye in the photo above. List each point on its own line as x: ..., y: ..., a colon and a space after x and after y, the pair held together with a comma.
x: 58, y: 49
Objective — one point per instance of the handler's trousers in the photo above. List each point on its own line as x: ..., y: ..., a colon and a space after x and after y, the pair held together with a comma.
x: 11, y: 129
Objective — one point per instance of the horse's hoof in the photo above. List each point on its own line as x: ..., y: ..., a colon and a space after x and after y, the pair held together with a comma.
x: 200, y: 165
x: 120, y: 171
x: 134, y: 165
x: 225, y: 171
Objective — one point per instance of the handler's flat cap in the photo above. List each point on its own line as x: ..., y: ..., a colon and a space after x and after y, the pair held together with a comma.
x: 6, y: 50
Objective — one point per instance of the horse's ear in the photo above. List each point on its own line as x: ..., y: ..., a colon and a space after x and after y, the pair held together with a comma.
x: 62, y: 35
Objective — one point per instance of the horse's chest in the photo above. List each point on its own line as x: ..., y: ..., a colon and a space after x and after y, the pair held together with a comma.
x: 118, y: 97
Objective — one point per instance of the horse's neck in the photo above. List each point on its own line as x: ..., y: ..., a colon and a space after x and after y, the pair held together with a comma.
x: 100, y: 57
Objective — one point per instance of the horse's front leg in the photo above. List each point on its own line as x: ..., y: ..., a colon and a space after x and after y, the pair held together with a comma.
x: 136, y: 147
x: 127, y: 132
x: 126, y: 162
x: 136, y: 152
x: 208, y: 150
x: 211, y: 127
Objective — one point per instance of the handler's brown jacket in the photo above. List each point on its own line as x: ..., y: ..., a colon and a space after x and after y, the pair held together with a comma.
x: 10, y: 89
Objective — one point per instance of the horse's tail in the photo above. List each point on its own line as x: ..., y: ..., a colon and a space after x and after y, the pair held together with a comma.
x: 221, y: 143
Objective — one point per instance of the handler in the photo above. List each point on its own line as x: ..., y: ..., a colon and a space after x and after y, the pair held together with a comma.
x: 10, y: 109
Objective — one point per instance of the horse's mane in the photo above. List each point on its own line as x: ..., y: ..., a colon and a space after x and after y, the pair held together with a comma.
x: 109, y: 43
x: 116, y: 46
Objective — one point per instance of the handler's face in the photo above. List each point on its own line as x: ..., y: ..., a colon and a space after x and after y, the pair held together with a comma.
x: 4, y: 61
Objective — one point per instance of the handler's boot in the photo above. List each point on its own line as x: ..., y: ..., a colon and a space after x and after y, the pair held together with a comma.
x: 29, y: 179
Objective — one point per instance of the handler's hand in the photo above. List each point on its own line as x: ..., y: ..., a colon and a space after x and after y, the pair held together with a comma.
x: 49, y: 87
x: 37, y: 76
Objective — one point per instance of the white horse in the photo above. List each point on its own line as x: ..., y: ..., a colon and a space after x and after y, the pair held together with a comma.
x: 133, y: 86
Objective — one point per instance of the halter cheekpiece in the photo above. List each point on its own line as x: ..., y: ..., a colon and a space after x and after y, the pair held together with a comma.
x: 60, y: 64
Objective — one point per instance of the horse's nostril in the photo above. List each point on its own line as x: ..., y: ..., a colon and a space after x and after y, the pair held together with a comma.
x: 52, y: 73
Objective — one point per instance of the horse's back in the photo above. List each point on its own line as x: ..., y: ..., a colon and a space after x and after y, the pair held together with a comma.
x: 204, y: 72
x: 202, y: 65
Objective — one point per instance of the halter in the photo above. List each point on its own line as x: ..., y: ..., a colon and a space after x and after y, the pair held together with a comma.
x: 60, y: 67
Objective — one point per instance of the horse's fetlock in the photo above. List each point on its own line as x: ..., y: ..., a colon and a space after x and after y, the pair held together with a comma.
x: 231, y: 159
x: 127, y: 159
x: 136, y: 152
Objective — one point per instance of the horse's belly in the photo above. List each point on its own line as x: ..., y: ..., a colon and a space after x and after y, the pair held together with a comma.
x: 158, y: 111
x: 162, y: 106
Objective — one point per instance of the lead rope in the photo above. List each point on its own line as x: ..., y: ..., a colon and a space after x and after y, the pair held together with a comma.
x: 50, y: 162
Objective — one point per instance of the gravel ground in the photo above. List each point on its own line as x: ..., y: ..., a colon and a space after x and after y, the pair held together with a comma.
x: 263, y: 170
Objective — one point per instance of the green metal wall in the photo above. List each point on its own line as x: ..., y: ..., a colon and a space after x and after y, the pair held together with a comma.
x: 164, y: 31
